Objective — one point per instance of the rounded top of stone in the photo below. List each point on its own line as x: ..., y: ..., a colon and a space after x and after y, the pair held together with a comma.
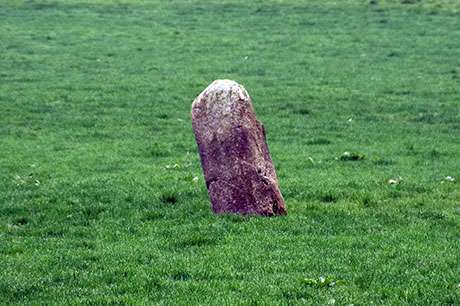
x: 225, y: 87
x: 222, y: 84
x: 220, y: 99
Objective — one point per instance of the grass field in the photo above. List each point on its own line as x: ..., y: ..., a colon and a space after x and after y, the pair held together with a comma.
x: 102, y: 199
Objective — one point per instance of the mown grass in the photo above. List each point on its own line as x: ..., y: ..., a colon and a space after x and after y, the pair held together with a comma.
x: 102, y: 199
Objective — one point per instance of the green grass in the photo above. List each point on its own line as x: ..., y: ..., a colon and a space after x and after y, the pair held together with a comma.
x: 99, y: 201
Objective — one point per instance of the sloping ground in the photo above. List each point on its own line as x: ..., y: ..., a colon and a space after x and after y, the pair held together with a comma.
x: 102, y: 199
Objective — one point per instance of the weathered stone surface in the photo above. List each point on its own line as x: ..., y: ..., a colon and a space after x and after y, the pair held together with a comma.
x: 238, y: 170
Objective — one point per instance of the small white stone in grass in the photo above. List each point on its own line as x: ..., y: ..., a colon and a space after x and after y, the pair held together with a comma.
x: 449, y: 178
x: 195, y: 179
x: 395, y: 181
x: 172, y: 166
x: 350, y: 119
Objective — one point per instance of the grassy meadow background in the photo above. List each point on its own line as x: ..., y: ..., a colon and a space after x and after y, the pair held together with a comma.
x: 102, y: 199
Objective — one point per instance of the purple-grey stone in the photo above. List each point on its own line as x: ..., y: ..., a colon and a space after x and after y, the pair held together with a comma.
x: 237, y: 167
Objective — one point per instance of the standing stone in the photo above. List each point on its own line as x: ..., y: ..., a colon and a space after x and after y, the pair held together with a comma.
x: 237, y: 167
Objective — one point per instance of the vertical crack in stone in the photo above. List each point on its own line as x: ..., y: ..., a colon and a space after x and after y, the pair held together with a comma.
x: 239, y: 173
